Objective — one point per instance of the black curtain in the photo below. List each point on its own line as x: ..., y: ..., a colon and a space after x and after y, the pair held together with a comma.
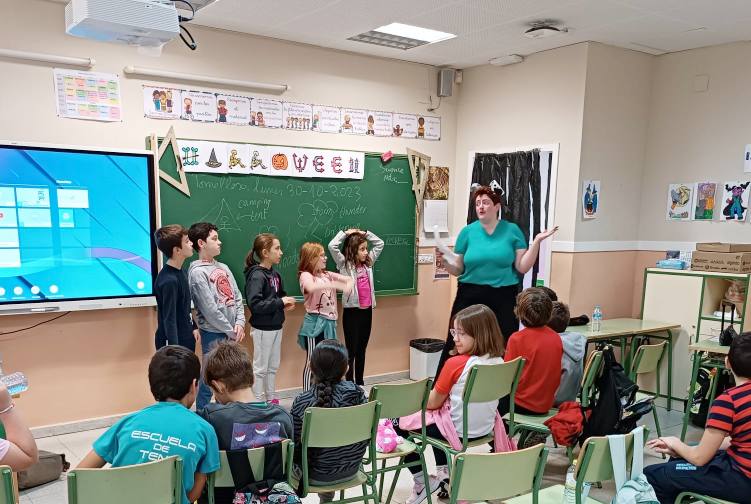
x: 516, y: 177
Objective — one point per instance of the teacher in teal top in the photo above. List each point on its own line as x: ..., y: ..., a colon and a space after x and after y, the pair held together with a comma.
x: 492, y: 258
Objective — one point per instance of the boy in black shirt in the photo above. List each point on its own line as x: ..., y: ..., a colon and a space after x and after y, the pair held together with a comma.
x: 175, y: 325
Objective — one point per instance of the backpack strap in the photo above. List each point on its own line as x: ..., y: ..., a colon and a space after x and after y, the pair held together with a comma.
x: 637, y: 463
x: 617, y: 445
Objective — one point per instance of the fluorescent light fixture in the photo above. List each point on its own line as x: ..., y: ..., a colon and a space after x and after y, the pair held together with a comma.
x: 415, y: 32
x: 47, y: 58
x: 509, y: 59
x: 166, y: 74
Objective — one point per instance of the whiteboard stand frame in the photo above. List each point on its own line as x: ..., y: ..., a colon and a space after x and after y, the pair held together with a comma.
x: 418, y: 166
x: 159, y: 151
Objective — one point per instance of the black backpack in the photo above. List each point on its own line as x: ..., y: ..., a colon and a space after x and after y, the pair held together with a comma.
x: 616, y: 393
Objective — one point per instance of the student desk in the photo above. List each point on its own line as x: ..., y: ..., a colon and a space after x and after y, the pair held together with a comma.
x: 704, y: 353
x: 621, y: 329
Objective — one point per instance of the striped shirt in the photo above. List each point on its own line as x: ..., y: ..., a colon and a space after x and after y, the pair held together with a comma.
x: 731, y: 413
x: 329, y: 464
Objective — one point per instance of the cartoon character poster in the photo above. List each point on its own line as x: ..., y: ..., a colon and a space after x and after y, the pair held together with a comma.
x: 325, y: 119
x: 704, y: 200
x: 380, y: 123
x: 162, y: 102
x: 590, y: 198
x: 297, y: 116
x: 680, y: 198
x: 199, y: 106
x: 266, y: 113
x: 354, y: 121
x: 735, y: 200
x: 432, y: 128
x: 232, y: 109
x: 405, y: 125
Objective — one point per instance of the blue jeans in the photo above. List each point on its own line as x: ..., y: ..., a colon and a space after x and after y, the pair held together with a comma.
x: 208, y: 341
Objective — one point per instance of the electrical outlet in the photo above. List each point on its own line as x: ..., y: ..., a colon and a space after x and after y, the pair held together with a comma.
x: 425, y: 259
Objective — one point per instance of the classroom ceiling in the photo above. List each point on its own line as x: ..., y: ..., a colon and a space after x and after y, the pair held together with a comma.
x: 487, y: 29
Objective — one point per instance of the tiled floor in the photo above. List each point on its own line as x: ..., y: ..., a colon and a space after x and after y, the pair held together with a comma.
x: 75, y: 446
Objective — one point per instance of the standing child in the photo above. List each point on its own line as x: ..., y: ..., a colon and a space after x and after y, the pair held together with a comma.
x: 357, y: 319
x: 318, y: 287
x: 175, y: 325
x: 267, y: 301
x: 328, y: 465
x: 218, y: 302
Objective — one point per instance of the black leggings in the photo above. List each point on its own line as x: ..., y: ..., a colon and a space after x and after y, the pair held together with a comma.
x: 357, y: 323
x: 439, y: 455
x: 501, y: 300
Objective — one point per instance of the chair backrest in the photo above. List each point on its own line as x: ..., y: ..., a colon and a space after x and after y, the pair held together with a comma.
x: 157, y: 482
x: 595, y: 463
x: 401, y: 399
x: 491, y: 476
x: 223, y: 477
x: 7, y: 494
x: 491, y: 382
x: 331, y: 427
x: 647, y: 358
x: 592, y: 371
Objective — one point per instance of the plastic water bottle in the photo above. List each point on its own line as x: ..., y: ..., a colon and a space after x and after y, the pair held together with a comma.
x: 569, y: 489
x: 15, y: 383
x: 597, y: 319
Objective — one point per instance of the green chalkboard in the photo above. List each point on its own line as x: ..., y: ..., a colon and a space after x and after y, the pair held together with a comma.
x: 299, y: 210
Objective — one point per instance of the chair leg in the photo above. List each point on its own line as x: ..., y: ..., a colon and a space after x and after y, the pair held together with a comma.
x: 365, y: 492
x: 425, y: 475
x: 383, y: 475
x: 393, y: 485
x: 341, y: 494
x: 657, y: 423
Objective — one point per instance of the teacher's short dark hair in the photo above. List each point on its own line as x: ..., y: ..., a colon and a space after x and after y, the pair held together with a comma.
x: 739, y: 355
x: 486, y: 191
x: 172, y: 371
x: 533, y: 307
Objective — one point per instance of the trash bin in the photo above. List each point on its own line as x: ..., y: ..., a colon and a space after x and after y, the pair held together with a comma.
x: 424, y: 354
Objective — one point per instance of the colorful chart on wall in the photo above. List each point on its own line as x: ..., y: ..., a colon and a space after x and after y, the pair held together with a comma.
x: 735, y: 200
x: 704, y: 200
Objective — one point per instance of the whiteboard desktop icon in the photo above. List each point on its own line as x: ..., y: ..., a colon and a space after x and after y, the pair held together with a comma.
x: 54, y: 289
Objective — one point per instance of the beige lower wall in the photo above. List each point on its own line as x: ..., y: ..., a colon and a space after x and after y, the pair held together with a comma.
x: 93, y: 364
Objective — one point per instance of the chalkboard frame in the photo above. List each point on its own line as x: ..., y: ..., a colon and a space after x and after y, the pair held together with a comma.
x: 169, y: 152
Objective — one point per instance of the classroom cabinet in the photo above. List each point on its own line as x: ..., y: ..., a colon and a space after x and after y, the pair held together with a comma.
x: 688, y: 298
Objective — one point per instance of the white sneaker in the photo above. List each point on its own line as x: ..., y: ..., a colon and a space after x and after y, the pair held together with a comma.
x: 418, y: 492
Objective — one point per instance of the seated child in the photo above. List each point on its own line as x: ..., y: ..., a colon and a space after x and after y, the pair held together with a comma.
x: 239, y: 421
x: 720, y: 465
x: 328, y: 365
x: 166, y: 428
x: 478, y: 341
x: 18, y: 450
x: 574, y: 349
x: 541, y: 348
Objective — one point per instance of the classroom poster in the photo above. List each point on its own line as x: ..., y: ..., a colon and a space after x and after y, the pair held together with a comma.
x: 87, y: 95
x: 162, y: 102
x: 435, y: 200
x: 326, y: 119
x: 297, y: 116
x: 432, y: 128
x: 735, y: 200
x: 266, y: 113
x: 232, y: 109
x: 354, y: 121
x: 590, y: 198
x: 439, y: 269
x: 202, y: 106
x: 380, y: 123
x: 405, y: 125
x: 704, y: 200
x: 193, y: 154
x: 238, y: 157
x: 680, y: 198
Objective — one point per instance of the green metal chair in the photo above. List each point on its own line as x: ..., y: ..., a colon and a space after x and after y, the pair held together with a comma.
x: 398, y: 400
x: 688, y: 497
x: 491, y: 476
x: 157, y: 482
x: 485, y: 383
x: 592, y: 371
x: 595, y: 465
x: 223, y: 477
x: 334, y: 427
x: 647, y: 360
x: 7, y: 494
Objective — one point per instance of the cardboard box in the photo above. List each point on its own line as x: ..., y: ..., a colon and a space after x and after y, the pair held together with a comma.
x: 724, y: 262
x: 723, y: 247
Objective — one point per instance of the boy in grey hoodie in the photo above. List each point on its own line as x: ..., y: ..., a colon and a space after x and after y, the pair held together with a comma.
x: 216, y: 297
x: 572, y: 360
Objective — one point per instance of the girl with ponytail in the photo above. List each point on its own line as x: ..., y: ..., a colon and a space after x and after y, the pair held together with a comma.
x: 328, y: 364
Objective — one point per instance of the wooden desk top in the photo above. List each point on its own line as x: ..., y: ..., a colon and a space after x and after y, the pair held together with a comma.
x: 709, y: 346
x: 613, y: 328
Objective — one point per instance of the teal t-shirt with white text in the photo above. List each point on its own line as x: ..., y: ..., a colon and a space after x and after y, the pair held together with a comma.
x: 159, y: 431
x: 489, y: 259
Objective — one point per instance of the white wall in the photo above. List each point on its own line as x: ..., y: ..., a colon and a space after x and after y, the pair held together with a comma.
x: 694, y: 136
x: 539, y: 101
x: 614, y: 135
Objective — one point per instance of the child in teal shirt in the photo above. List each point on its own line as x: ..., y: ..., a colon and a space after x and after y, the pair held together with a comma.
x: 166, y: 428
